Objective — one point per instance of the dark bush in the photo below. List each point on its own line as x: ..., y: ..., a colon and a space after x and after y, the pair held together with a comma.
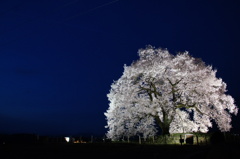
x: 217, y: 138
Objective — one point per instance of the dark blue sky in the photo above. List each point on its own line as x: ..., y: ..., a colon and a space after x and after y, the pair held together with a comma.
x: 58, y: 58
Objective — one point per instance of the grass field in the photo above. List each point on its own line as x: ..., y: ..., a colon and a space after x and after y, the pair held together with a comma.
x: 116, y: 150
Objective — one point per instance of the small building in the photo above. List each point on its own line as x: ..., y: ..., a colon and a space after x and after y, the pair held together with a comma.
x: 189, y: 139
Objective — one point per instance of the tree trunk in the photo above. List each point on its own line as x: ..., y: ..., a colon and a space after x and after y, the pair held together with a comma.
x: 165, y: 125
x: 165, y: 129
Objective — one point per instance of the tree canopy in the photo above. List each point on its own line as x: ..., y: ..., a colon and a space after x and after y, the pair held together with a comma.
x: 179, y: 93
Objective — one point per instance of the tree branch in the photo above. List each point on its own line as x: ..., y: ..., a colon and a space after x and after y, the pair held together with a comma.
x: 151, y: 90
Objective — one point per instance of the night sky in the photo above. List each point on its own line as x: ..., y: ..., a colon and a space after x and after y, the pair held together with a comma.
x: 58, y: 58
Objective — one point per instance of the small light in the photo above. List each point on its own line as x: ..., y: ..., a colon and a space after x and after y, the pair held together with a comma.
x: 67, y: 139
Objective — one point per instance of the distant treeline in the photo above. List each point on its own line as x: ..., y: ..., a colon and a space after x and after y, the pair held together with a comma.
x: 193, y: 139
x: 33, y: 138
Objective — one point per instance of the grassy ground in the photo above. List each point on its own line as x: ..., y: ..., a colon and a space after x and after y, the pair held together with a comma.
x: 116, y: 150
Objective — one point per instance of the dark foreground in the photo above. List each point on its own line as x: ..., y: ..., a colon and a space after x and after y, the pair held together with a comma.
x: 117, y: 150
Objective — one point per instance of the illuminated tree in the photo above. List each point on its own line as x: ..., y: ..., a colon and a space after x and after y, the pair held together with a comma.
x: 179, y: 93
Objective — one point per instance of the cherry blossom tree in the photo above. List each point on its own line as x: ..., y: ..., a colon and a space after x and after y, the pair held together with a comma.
x: 179, y: 93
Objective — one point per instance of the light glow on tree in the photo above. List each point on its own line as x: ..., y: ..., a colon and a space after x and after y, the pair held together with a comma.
x: 179, y: 93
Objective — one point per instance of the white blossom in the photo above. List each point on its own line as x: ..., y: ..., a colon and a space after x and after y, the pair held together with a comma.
x: 179, y: 93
